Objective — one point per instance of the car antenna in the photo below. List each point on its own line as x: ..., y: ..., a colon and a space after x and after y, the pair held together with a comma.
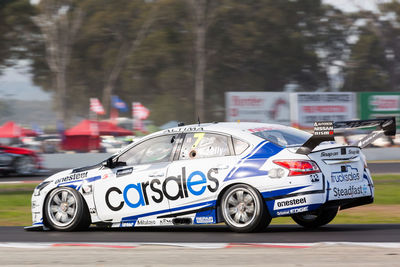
x: 198, y: 120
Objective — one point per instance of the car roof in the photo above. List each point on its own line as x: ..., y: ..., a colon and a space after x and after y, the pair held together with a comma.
x: 227, y: 127
x: 241, y: 130
x: 238, y: 129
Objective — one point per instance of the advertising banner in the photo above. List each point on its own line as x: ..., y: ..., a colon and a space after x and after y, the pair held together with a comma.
x: 269, y: 107
x: 307, y: 108
x: 380, y: 104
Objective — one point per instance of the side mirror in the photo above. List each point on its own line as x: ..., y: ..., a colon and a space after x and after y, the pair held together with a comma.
x: 109, y: 163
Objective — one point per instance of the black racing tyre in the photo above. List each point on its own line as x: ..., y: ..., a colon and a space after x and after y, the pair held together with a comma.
x: 243, y: 209
x: 66, y: 210
x: 24, y: 165
x: 317, y: 218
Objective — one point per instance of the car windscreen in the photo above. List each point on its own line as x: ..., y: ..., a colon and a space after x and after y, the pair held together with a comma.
x: 285, y: 137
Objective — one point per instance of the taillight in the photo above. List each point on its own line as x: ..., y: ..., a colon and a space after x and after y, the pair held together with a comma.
x: 298, y: 167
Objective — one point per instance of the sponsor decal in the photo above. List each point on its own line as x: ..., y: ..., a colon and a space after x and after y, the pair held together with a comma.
x: 124, y: 172
x: 329, y: 154
x: 349, y: 176
x: 291, y: 202
x: 87, y: 189
x: 314, y: 178
x: 354, y: 151
x: 92, y: 211
x: 165, y: 221
x: 196, y: 183
x: 205, y: 219
x: 105, y: 176
x: 349, y: 191
x: 127, y: 224
x: 184, y: 129
x: 292, y: 211
x: 323, y: 128
x: 72, y: 177
x: 145, y: 222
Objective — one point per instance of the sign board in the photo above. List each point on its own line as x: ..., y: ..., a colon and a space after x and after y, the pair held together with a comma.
x: 307, y: 108
x: 380, y: 104
x: 268, y: 107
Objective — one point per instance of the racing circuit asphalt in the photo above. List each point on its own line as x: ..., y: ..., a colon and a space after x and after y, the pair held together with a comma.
x: 212, y: 234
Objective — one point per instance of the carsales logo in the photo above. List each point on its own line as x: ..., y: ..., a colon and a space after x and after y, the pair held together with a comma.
x: 172, y: 188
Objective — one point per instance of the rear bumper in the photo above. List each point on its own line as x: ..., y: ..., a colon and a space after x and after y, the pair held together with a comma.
x: 349, y: 203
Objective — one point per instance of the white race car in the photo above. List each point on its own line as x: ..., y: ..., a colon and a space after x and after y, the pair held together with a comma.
x: 243, y: 174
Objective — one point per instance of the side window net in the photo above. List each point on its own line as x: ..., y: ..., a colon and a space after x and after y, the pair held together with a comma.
x: 204, y: 145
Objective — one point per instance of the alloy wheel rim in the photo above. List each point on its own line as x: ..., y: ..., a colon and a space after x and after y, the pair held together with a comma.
x: 241, y: 207
x: 62, y: 207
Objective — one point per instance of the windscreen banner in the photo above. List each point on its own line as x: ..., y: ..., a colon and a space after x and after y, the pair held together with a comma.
x: 307, y: 108
x: 380, y: 104
x: 268, y: 107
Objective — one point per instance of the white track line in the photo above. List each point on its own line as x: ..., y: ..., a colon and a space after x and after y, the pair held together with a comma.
x: 21, y: 182
x: 42, y: 245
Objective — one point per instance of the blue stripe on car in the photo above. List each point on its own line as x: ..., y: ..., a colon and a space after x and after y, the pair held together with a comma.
x: 77, y: 187
x: 250, y: 165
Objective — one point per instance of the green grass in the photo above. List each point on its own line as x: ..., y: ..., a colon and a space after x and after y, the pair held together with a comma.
x: 15, y: 201
x: 15, y: 207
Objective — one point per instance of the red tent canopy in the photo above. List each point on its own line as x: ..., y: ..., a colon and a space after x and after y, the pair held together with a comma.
x: 85, y: 135
x: 85, y: 127
x: 96, y: 128
x: 11, y: 130
x: 108, y: 128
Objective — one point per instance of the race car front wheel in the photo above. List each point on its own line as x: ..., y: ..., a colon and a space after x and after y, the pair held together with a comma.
x: 65, y: 210
x: 243, y: 209
x: 315, y: 219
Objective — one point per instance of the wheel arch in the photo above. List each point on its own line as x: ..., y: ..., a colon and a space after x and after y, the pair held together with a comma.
x: 47, y: 196
x: 222, y: 192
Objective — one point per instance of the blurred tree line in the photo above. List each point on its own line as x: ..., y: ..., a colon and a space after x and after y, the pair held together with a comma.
x: 179, y: 57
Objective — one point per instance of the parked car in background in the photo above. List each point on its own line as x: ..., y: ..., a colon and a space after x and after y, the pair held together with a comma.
x: 20, y: 161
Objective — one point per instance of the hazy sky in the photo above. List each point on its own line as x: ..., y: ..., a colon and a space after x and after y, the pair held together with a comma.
x: 355, y: 5
x: 16, y: 83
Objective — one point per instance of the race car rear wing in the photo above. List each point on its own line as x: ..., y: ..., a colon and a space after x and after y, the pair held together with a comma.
x: 325, y: 130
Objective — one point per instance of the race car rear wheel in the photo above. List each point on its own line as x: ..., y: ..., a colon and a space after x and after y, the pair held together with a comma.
x: 65, y: 210
x: 243, y: 209
x: 315, y: 219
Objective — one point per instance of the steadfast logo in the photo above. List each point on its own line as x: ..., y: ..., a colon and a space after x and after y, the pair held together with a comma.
x: 349, y: 191
x: 195, y: 184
